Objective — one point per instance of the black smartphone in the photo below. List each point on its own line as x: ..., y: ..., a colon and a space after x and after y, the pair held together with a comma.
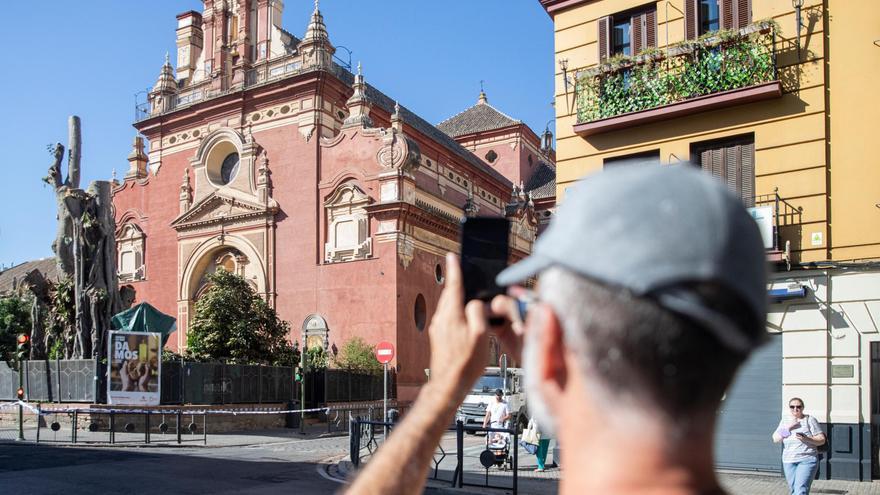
x: 484, y: 253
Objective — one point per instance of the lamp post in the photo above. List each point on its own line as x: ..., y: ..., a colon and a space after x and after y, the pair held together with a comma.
x: 349, y: 56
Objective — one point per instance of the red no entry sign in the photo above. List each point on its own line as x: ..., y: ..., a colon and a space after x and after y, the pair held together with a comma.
x: 384, y: 352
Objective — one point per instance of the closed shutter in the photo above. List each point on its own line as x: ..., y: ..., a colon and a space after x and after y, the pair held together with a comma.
x: 637, y: 22
x: 726, y: 10
x: 691, y: 19
x: 644, y: 30
x: 735, y: 14
x: 651, y: 29
x: 604, y: 27
x: 749, y: 412
x: 735, y: 166
x: 748, y: 174
x: 743, y: 13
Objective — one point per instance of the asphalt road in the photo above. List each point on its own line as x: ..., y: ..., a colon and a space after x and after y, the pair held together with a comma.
x: 292, y: 466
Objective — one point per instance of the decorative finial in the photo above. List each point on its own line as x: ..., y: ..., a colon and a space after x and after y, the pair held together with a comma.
x: 359, y: 63
x: 482, y: 99
x: 316, y: 5
x: 167, y: 59
x: 113, y: 175
x: 396, y: 108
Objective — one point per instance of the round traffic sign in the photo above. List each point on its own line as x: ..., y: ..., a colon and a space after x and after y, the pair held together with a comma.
x: 384, y: 352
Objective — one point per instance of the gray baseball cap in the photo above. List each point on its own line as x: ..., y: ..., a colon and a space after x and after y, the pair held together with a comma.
x: 651, y: 229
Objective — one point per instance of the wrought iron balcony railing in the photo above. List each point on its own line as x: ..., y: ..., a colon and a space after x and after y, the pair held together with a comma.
x: 779, y: 221
x: 723, y: 61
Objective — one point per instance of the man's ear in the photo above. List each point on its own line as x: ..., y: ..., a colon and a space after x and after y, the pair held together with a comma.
x: 551, y: 348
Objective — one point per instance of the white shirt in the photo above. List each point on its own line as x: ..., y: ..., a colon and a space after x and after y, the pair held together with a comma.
x: 794, y: 449
x: 497, y: 410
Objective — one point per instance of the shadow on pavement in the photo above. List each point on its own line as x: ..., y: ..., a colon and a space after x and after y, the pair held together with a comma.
x: 29, y: 468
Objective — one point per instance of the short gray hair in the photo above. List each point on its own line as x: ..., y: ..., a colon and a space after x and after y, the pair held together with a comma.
x: 635, y: 352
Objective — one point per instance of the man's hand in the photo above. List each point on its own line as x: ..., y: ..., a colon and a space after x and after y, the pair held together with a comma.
x: 458, y: 336
x: 511, y: 333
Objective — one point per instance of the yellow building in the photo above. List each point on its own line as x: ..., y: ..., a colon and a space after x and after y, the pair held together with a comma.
x: 780, y: 99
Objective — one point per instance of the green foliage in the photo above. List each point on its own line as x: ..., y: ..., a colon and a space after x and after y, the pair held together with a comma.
x: 316, y: 359
x: 357, y: 355
x: 717, y: 61
x: 233, y: 323
x: 62, y: 318
x: 15, y: 319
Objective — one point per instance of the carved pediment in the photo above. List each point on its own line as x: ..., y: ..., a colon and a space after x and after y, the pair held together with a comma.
x: 219, y: 208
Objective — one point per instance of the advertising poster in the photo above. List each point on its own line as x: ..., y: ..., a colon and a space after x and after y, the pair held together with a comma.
x: 135, y: 365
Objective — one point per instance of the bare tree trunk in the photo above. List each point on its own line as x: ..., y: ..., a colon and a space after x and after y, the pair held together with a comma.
x: 85, y: 248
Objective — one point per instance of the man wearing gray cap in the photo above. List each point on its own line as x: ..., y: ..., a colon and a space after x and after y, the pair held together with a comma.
x: 651, y: 290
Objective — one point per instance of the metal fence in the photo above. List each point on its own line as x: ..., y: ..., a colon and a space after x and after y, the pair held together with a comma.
x: 347, y: 386
x: 186, y: 382
x: 67, y: 380
x: 366, y: 435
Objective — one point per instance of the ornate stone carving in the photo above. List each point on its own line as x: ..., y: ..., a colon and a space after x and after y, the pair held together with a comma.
x: 348, y: 226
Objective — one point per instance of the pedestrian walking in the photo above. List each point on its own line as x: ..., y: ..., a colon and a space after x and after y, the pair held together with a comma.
x: 538, y: 443
x: 801, y: 436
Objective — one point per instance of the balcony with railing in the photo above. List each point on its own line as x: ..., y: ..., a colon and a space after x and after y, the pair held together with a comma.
x: 780, y: 224
x: 722, y: 69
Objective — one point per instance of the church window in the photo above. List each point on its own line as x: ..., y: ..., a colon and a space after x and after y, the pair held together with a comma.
x: 229, y: 168
x: 130, y: 249
x: 491, y: 156
x: 348, y: 227
x: 420, y: 312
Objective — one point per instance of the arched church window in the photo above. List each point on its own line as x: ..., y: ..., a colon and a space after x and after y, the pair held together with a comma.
x: 229, y: 260
x: 130, y: 253
x: 348, y: 226
x: 229, y: 168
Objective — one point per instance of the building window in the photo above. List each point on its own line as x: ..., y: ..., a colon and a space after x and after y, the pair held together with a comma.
x: 229, y: 168
x: 130, y: 249
x: 732, y: 161
x: 438, y: 273
x: 627, y: 33
x: 420, y: 312
x: 348, y: 227
x: 491, y: 156
x: 620, y: 37
x: 709, y: 16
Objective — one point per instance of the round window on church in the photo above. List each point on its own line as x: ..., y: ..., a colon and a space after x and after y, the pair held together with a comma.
x: 491, y: 156
x: 229, y: 168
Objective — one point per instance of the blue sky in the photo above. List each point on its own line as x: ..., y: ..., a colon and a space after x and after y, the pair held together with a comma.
x: 89, y: 58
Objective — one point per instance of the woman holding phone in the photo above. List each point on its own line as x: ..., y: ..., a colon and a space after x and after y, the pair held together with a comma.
x: 800, y: 435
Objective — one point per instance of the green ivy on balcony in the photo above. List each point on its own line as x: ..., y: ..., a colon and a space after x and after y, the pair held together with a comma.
x: 719, y: 61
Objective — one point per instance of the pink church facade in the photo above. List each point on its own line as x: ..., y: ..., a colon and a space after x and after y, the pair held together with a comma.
x: 268, y: 159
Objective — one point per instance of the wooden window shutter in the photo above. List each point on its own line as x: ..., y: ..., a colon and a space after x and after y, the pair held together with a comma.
x: 651, y: 29
x: 748, y: 174
x: 691, y: 19
x: 637, y: 23
x: 706, y: 161
x: 743, y: 13
x: 733, y: 167
x: 604, y: 28
x: 725, y: 11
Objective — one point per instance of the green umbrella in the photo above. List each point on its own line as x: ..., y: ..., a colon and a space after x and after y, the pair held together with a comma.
x: 145, y: 318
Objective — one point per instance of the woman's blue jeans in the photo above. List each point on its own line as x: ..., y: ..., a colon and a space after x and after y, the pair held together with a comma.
x: 799, y: 475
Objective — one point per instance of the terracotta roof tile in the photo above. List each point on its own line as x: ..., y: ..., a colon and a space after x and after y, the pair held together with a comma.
x: 478, y: 118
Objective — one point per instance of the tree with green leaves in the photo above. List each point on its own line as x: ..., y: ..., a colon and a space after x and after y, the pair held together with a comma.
x: 233, y: 323
x: 15, y: 319
x: 357, y: 355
